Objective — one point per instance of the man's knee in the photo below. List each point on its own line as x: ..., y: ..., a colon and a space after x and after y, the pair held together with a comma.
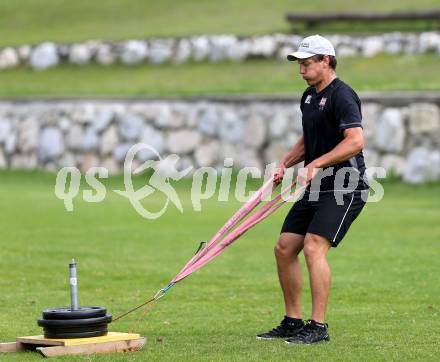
x: 288, y: 246
x: 315, y: 246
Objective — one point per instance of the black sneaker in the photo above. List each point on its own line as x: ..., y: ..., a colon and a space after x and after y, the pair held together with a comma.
x: 287, y: 328
x: 313, y: 332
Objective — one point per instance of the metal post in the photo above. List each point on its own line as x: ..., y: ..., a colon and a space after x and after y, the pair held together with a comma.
x: 73, y: 286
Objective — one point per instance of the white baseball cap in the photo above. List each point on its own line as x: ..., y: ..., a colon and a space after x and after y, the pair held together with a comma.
x: 312, y: 45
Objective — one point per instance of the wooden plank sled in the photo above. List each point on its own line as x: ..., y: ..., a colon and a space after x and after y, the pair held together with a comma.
x: 112, y: 342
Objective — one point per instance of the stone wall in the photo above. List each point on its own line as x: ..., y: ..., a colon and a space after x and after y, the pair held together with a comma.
x: 213, y: 48
x: 402, y: 133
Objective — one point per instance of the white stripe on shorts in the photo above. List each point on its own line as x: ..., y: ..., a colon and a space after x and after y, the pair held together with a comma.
x: 348, y: 208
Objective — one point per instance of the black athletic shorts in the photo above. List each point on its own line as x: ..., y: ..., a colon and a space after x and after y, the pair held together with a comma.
x: 324, y: 217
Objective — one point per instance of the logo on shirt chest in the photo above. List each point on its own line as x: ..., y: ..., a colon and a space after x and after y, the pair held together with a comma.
x: 322, y: 103
x: 308, y: 99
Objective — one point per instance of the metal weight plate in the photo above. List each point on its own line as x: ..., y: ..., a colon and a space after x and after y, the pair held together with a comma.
x: 74, y: 322
x: 80, y: 313
x: 96, y: 333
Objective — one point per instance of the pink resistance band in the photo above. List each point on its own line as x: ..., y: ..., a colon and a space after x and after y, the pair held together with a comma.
x: 221, y: 241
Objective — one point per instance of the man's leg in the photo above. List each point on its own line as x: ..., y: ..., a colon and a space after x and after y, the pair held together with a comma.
x: 315, y: 252
x: 288, y: 247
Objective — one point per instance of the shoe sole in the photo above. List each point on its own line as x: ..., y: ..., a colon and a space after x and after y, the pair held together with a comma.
x: 268, y: 338
x: 308, y: 344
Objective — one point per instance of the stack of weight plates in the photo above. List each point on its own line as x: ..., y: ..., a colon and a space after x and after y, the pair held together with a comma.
x: 80, y: 323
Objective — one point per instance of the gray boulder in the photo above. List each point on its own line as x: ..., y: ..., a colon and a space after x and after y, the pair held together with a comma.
x: 28, y: 131
x: 232, y: 128
x: 418, y: 166
x: 153, y: 138
x: 208, y: 122
x: 8, y: 58
x: 161, y: 51
x: 183, y: 141
x: 207, y: 154
x: 109, y: 140
x: 424, y: 118
x: 130, y: 127
x: 255, y: 132
x: 80, y: 54
x: 51, y: 144
x: 390, y: 134
x: 44, y: 56
x: 134, y: 52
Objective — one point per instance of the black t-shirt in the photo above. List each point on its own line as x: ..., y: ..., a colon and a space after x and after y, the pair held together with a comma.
x: 325, y: 115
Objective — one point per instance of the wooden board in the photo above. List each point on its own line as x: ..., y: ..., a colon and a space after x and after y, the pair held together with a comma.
x: 131, y: 345
x: 11, y: 347
x: 110, y: 337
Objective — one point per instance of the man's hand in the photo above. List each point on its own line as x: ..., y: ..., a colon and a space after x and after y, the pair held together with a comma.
x: 278, y: 174
x: 306, y: 174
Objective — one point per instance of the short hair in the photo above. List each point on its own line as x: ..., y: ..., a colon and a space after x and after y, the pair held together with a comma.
x: 332, y: 60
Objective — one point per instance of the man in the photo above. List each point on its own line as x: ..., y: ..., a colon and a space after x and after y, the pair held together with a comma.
x: 331, y: 148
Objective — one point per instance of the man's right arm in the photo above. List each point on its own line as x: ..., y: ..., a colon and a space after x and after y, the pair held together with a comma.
x: 294, y: 156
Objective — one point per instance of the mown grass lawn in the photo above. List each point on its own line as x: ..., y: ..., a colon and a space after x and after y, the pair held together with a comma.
x: 380, y: 73
x: 384, y: 304
x: 31, y: 21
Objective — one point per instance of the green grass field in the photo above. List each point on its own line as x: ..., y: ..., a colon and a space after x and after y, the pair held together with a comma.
x: 381, y: 73
x: 384, y: 304
x: 33, y: 21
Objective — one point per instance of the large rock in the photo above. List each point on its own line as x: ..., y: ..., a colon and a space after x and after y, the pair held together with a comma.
x: 24, y: 162
x: 90, y: 140
x: 390, y: 134
x: 24, y: 52
x: 207, y: 154
x: 120, y: 152
x: 370, y: 120
x: 80, y: 54
x: 279, y: 124
x: 105, y: 55
x: 184, y: 141
x: 8, y: 58
x: 68, y: 159
x: 28, y: 131
x: 88, y: 161
x: 429, y: 42
x: 371, y: 157
x: 3, y: 161
x: 5, y: 129
x: 103, y: 118
x: 183, y: 51
x: 263, y: 46
x: 372, y: 46
x: 74, y: 138
x: 231, y: 127
x: 161, y: 51
x: 109, y: 140
x: 155, y: 139
x: 295, y: 117
x: 346, y: 50
x: 44, y: 56
x: 256, y: 131
x: 131, y: 127
x: 417, y: 166
x: 10, y: 143
x: 424, y: 118
x: 239, y: 50
x: 275, y: 152
x: 219, y: 47
x: 393, y: 164
x: 111, y: 166
x: 200, y: 48
x: 134, y: 52
x: 208, y: 122
x: 166, y: 117
x: 51, y: 144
